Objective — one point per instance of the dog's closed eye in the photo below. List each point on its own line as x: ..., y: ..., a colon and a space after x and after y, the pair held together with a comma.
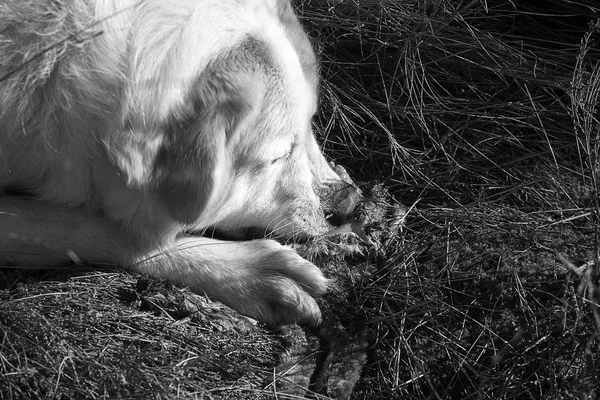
x: 284, y: 157
x: 292, y: 146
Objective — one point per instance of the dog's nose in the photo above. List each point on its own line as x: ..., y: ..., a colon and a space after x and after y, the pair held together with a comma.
x: 344, y: 200
x: 339, y: 198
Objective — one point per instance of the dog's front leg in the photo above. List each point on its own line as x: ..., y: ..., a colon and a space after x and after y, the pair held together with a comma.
x: 37, y: 234
x: 261, y: 278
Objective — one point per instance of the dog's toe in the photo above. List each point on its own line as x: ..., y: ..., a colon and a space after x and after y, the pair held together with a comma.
x: 286, y: 287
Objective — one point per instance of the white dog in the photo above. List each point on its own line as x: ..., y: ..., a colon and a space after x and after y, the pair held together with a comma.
x: 125, y: 124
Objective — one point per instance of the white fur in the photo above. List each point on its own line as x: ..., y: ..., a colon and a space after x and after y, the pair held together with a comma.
x: 126, y: 123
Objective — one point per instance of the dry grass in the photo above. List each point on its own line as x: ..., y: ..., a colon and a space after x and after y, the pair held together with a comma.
x: 106, y: 335
x: 481, y: 117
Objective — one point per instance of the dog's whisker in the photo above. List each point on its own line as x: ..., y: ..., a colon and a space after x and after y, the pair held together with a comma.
x: 275, y: 227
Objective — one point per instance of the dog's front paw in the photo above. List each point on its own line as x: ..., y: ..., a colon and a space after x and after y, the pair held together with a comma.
x: 261, y: 278
x: 279, y: 286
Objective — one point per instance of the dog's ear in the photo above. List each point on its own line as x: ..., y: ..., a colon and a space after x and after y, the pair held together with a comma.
x: 184, y: 159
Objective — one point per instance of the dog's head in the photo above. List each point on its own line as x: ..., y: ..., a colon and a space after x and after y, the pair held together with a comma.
x: 217, y: 121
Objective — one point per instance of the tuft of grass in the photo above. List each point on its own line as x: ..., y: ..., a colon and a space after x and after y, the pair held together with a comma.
x: 482, y: 118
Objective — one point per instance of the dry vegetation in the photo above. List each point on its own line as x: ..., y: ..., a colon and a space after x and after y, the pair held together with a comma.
x: 480, y: 117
